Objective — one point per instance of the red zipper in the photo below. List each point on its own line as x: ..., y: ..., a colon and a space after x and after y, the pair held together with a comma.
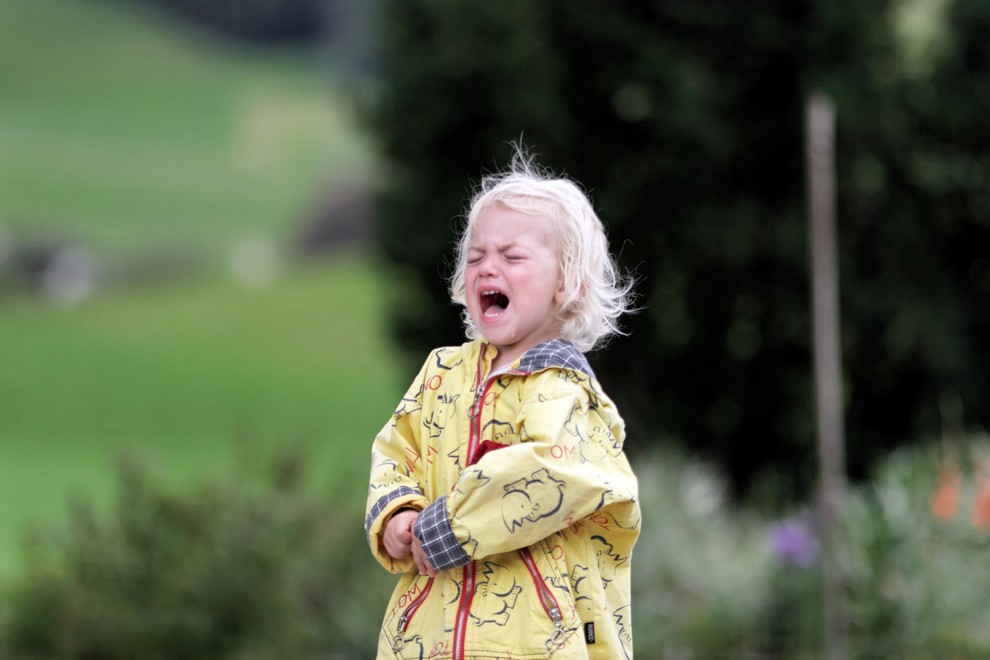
x: 470, y: 569
x: 479, y: 400
x: 407, y: 615
x: 464, y: 610
x: 550, y: 605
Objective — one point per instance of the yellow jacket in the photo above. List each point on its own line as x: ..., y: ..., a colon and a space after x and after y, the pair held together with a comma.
x: 528, y: 510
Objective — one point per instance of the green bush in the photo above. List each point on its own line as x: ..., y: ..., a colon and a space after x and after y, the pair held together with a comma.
x: 251, y: 565
x: 255, y: 565
x: 720, y: 581
x: 702, y: 569
x: 918, y: 580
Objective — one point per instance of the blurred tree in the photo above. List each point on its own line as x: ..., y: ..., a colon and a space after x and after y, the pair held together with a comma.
x: 914, y: 212
x: 255, y: 20
x: 684, y: 119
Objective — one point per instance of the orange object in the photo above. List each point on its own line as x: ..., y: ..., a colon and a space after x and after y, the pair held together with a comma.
x: 944, y: 502
x: 980, y: 515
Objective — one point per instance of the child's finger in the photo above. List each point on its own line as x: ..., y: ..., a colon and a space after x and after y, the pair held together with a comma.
x: 422, y: 561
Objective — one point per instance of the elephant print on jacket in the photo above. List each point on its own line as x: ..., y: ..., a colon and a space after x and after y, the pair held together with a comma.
x: 531, y: 498
x: 608, y: 558
x: 386, y: 474
x: 498, y: 592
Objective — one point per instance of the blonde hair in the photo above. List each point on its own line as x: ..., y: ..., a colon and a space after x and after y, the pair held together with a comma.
x: 595, y: 293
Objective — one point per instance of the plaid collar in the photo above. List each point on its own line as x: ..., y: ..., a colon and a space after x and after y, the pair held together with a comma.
x: 555, y: 353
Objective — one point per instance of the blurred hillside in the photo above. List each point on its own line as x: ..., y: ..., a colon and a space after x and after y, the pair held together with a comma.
x: 159, y: 187
x: 148, y: 143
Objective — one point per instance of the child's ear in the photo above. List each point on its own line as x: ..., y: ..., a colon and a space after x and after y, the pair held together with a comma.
x: 561, y: 298
x: 560, y: 294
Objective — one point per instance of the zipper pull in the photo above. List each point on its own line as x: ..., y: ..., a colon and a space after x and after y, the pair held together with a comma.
x: 557, y: 637
x: 397, y: 641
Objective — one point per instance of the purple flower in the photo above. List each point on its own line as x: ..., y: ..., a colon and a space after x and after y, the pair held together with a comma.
x: 793, y: 542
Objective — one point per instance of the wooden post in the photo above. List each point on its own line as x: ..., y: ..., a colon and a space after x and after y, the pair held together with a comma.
x: 827, y: 364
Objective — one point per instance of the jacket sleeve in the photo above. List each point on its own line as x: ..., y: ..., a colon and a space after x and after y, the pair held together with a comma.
x: 567, y: 464
x: 396, y: 478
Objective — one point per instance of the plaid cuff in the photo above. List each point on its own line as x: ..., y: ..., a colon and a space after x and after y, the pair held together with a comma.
x: 382, y: 504
x: 433, y: 530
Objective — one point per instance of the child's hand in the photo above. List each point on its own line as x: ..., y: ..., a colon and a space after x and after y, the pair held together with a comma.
x: 398, y: 533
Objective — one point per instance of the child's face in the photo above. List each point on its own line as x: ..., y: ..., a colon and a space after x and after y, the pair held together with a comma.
x: 512, y: 281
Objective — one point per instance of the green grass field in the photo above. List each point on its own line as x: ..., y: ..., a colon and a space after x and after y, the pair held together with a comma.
x: 132, y: 136
x: 185, y: 377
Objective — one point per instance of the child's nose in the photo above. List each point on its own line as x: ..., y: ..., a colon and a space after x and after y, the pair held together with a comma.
x: 489, y: 265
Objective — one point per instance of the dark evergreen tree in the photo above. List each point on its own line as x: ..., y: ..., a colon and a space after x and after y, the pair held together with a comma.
x: 685, y: 120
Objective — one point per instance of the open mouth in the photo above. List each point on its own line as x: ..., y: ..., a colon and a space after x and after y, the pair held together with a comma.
x: 493, y: 302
